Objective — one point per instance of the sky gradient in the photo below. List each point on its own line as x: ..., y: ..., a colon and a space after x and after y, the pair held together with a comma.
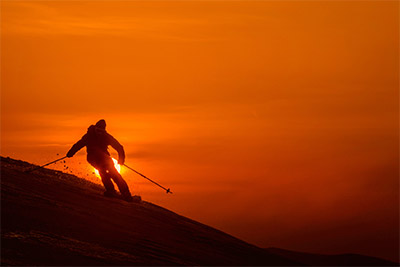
x: 276, y: 122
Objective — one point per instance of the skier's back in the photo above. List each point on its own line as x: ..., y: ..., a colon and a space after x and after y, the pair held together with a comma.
x: 97, y: 141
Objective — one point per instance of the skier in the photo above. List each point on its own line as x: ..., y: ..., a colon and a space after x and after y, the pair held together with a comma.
x: 97, y: 141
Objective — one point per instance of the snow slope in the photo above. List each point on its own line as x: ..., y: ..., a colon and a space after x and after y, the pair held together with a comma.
x: 52, y: 218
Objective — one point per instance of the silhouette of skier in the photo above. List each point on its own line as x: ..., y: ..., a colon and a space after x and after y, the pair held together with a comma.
x: 97, y: 141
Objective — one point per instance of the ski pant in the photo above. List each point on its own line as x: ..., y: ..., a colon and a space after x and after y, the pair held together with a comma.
x: 107, y: 171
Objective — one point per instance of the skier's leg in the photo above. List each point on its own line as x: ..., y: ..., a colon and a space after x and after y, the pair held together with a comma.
x: 122, y: 185
x: 101, y: 163
x: 108, y: 184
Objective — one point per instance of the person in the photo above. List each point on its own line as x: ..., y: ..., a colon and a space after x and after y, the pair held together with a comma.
x: 97, y: 141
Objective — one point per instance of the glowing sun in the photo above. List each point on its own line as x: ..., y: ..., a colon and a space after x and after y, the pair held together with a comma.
x: 116, y: 165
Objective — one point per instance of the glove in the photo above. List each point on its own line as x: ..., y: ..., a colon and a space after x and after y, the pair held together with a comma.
x: 121, y: 161
x: 70, y: 154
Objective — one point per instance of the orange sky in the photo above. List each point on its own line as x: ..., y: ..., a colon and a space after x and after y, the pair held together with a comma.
x: 276, y: 122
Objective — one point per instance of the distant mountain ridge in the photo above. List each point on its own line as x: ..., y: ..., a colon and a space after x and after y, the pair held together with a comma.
x: 52, y: 218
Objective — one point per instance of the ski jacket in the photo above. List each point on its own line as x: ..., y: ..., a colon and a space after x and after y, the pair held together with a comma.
x: 97, y: 141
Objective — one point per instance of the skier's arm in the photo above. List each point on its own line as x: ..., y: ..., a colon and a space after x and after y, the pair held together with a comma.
x: 76, y: 147
x: 120, y: 149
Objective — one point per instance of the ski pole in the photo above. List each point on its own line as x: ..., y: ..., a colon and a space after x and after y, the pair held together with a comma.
x: 34, y: 169
x: 168, y: 190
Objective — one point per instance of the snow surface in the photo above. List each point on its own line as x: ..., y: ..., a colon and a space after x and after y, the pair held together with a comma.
x: 53, y: 218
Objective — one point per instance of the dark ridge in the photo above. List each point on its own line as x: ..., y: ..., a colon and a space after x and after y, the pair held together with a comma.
x: 53, y: 218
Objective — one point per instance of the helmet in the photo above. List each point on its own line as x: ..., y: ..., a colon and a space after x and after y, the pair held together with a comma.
x: 101, y: 124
